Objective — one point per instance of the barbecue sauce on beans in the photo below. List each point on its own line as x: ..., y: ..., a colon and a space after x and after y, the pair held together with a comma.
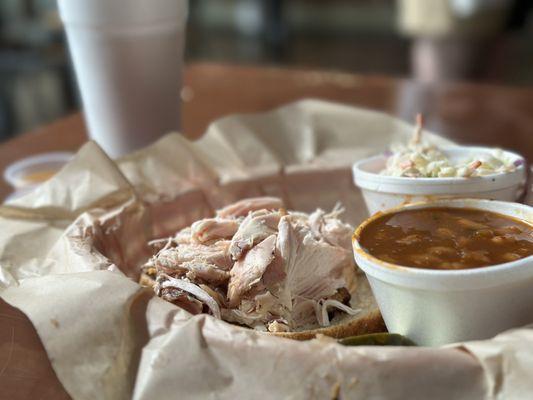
x: 447, y: 238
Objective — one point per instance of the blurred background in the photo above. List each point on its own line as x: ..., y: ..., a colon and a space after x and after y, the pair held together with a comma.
x: 431, y: 41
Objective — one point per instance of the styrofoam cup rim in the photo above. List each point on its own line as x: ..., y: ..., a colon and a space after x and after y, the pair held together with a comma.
x: 104, y: 14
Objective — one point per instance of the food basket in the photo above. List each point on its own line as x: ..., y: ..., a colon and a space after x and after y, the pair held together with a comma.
x: 70, y: 253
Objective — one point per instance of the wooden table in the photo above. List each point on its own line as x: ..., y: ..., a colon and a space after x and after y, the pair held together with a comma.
x: 487, y: 115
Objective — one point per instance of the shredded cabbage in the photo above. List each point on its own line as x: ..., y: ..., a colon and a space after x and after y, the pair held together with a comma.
x: 417, y: 159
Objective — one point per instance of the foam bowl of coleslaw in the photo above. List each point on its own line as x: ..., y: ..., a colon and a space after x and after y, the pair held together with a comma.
x: 395, y: 178
x: 420, y: 171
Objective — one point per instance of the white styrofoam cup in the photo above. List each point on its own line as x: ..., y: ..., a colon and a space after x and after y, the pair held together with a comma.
x: 127, y: 55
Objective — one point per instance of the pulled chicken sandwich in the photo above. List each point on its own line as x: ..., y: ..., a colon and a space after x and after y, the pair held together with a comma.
x: 257, y: 265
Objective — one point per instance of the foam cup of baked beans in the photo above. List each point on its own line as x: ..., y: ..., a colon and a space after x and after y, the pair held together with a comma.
x: 450, y: 270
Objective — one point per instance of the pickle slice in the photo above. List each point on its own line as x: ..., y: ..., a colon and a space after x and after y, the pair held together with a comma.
x: 377, y: 339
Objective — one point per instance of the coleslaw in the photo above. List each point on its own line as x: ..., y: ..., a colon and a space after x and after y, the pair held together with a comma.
x: 418, y: 159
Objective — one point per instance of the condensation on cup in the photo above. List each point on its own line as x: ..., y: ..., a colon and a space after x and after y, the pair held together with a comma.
x: 128, y: 57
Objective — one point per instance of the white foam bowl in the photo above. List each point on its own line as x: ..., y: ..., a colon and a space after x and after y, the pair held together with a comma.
x: 435, y: 307
x: 16, y: 174
x: 382, y: 192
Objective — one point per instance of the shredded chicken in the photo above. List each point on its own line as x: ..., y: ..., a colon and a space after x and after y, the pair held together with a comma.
x: 250, y: 269
x: 171, y: 258
x: 165, y: 281
x: 314, y: 268
x: 210, y: 229
x: 322, y: 310
x: 255, y: 227
x: 205, y: 272
x: 257, y: 265
x: 243, y: 207
x: 184, y: 236
x: 331, y: 228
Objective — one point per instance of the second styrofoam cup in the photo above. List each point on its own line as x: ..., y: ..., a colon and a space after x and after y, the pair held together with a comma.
x: 382, y: 192
x: 435, y: 307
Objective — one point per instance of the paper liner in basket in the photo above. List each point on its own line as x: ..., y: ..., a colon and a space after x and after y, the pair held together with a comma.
x: 68, y: 249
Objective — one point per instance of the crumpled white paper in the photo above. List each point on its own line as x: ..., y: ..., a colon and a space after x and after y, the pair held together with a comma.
x: 70, y: 253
